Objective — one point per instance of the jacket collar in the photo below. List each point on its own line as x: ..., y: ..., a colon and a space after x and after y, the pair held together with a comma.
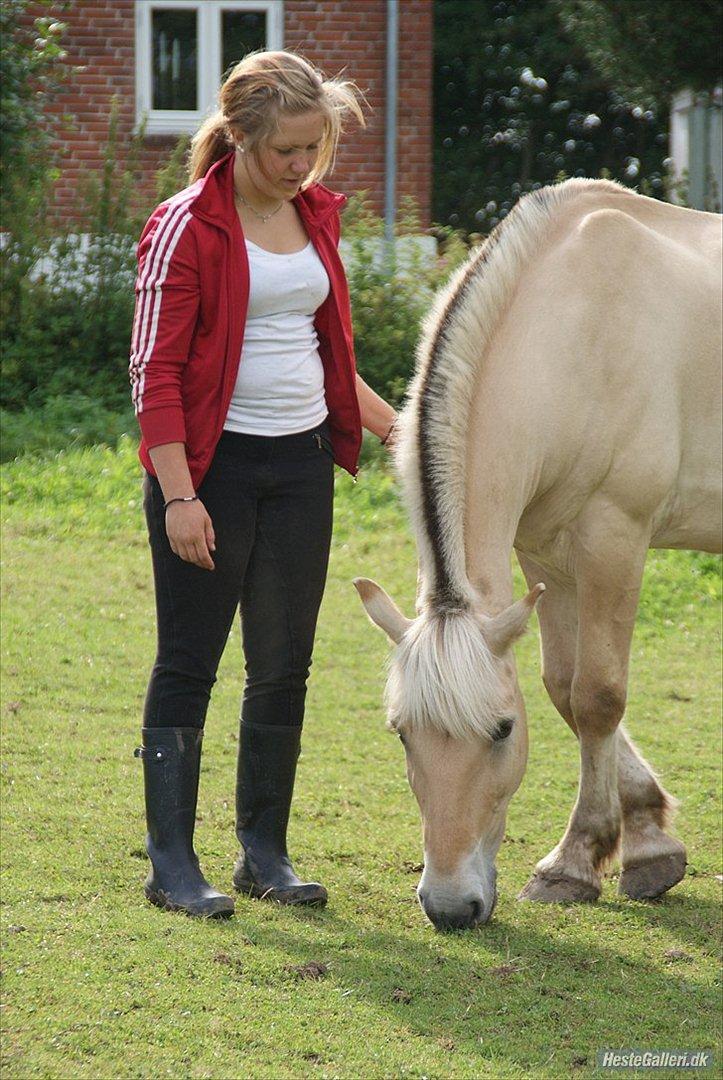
x: 214, y: 201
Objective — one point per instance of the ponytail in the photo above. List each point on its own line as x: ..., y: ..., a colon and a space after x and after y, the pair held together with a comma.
x: 210, y: 143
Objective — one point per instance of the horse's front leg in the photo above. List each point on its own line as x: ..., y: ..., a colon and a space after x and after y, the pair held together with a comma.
x: 609, y: 560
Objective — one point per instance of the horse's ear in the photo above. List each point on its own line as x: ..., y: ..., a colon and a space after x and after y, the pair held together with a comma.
x: 502, y: 630
x: 381, y: 609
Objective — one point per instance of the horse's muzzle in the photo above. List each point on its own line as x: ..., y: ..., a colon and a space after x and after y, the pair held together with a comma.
x: 464, y: 915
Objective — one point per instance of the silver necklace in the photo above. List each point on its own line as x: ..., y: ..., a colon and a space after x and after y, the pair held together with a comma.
x: 262, y: 217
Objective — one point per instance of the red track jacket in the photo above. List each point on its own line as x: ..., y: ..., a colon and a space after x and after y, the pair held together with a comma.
x: 192, y: 295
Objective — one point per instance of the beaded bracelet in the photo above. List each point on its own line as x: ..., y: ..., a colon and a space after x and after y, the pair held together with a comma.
x: 180, y: 498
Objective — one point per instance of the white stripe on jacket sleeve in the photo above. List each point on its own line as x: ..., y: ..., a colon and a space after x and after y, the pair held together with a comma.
x: 149, y: 290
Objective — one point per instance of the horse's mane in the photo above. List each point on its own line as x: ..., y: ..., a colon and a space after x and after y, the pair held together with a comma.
x: 431, y: 458
x: 453, y: 344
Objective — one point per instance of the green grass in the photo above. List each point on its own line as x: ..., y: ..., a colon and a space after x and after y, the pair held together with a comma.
x: 99, y: 984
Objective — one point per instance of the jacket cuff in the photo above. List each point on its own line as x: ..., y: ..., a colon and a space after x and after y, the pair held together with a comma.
x: 162, y: 425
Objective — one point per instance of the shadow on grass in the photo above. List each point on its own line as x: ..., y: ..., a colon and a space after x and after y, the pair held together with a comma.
x: 522, y: 989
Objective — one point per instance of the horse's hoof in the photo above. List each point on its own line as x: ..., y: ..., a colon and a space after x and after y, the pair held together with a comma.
x: 559, y: 890
x: 653, y: 878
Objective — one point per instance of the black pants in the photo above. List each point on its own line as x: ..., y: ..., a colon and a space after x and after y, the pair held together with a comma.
x: 270, y: 500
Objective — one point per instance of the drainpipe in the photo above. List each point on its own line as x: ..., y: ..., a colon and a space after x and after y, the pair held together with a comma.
x: 707, y: 121
x: 390, y: 170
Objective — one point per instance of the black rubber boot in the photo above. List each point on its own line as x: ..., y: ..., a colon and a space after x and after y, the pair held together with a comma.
x: 267, y: 757
x: 171, y: 765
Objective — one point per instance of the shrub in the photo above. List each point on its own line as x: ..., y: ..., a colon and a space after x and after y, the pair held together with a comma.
x: 391, y: 292
x: 65, y: 420
x: 69, y: 330
x: 31, y: 69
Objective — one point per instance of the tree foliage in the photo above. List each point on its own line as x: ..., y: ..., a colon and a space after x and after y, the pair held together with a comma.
x: 648, y: 49
x: 517, y: 102
x: 31, y: 67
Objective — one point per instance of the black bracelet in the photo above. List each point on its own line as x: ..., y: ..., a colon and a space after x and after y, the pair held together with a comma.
x: 391, y: 431
x: 181, y: 498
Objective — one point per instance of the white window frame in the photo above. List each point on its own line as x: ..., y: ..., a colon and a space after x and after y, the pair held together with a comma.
x: 208, y: 58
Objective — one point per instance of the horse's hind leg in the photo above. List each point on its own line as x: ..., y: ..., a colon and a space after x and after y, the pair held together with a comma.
x: 652, y: 860
x: 609, y: 562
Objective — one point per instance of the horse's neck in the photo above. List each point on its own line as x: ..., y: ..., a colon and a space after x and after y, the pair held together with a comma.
x: 481, y: 474
x: 496, y: 491
x: 489, y: 567
x: 488, y: 531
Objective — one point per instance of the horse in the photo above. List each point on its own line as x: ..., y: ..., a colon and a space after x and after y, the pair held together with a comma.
x: 566, y: 404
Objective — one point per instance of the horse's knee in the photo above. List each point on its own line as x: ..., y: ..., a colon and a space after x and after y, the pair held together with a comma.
x: 598, y: 705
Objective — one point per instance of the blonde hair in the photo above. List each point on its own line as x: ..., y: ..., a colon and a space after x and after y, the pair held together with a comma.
x: 260, y: 89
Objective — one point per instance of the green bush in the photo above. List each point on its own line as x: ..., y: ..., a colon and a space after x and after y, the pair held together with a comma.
x: 66, y: 420
x: 69, y: 328
x: 31, y: 71
x: 392, y: 292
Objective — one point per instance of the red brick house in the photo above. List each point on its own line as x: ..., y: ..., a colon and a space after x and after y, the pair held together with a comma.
x: 165, y: 59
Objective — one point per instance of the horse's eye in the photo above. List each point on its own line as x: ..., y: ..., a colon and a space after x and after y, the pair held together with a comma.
x: 503, y: 729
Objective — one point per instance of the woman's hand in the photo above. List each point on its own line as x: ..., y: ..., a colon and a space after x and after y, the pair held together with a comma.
x: 190, y: 533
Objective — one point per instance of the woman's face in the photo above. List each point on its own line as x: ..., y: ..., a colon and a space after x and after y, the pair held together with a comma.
x: 281, y: 164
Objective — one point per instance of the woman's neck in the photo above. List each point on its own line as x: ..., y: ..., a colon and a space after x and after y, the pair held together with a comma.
x: 245, y: 188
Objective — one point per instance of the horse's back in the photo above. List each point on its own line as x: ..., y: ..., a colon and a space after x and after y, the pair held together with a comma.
x: 616, y: 331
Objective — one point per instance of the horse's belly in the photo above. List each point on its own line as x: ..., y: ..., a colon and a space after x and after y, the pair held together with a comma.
x: 692, y: 518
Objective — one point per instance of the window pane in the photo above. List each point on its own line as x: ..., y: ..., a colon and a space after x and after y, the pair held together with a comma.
x: 174, y: 59
x: 242, y: 32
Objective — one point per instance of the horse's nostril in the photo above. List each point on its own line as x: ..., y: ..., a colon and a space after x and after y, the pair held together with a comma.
x: 476, y: 911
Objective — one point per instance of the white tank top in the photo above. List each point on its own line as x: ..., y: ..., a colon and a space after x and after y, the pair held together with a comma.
x: 280, y: 383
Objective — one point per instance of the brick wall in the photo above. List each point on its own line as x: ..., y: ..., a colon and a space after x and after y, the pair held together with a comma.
x: 334, y: 34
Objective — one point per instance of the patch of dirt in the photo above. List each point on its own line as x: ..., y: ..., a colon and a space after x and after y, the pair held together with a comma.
x: 228, y: 961
x: 504, y: 970
x: 412, y: 867
x: 313, y: 970
x: 676, y: 954
x: 402, y: 996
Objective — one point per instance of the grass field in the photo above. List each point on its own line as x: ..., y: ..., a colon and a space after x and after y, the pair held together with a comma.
x: 96, y: 983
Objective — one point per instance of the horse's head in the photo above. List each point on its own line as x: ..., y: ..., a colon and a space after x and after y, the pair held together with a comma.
x: 453, y: 699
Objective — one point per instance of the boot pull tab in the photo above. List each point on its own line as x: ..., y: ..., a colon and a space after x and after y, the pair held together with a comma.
x: 150, y: 753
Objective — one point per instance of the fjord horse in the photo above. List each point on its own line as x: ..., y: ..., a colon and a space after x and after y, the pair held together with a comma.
x: 567, y: 404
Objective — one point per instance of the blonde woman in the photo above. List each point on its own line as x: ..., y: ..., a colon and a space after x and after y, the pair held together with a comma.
x: 243, y: 378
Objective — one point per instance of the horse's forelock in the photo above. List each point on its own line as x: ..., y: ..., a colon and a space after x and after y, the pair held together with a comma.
x: 444, y: 676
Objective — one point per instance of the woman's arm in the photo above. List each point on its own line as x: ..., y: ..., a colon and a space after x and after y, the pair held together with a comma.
x: 377, y: 415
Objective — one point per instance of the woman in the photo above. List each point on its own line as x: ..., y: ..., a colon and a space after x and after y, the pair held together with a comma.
x: 243, y: 378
